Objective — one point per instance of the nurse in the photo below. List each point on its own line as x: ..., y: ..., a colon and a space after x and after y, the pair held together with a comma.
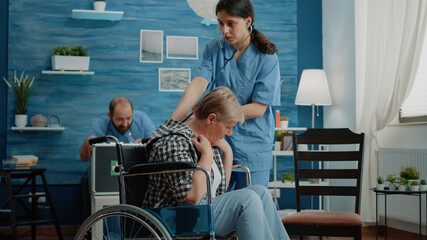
x: 245, y: 61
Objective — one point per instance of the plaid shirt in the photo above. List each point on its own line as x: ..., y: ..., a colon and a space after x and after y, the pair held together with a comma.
x: 171, y: 142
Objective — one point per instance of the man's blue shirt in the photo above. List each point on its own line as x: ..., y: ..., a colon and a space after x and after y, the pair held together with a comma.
x: 141, y: 127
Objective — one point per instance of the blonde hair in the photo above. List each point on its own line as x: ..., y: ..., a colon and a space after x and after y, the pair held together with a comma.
x: 223, y: 103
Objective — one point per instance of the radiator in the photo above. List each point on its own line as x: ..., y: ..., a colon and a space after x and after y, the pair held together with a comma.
x: 391, y: 160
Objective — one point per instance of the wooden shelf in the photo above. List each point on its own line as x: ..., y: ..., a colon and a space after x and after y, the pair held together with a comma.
x: 97, y: 15
x: 209, y: 22
x: 57, y: 72
x: 52, y: 129
x: 292, y: 129
x: 280, y: 184
x: 283, y: 153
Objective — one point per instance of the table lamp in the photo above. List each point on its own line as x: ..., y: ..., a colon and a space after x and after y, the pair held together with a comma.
x: 204, y: 8
x: 313, y: 90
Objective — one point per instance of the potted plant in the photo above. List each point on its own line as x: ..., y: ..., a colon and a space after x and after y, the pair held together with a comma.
x: 288, y: 176
x: 23, y: 89
x: 67, y: 58
x: 284, y: 121
x: 402, y: 184
x: 391, y: 179
x: 380, y: 183
x: 410, y: 173
x: 99, y: 5
x: 278, y: 139
x: 423, y: 185
x: 414, y: 185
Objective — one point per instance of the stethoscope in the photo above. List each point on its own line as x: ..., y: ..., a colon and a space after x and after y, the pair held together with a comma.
x: 226, y: 60
x: 128, y: 134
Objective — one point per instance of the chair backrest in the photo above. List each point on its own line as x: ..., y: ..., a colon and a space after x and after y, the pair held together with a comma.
x: 343, y: 146
x: 135, y: 186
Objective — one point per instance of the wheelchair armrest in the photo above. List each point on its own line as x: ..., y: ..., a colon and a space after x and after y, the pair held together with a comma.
x: 154, y: 168
x: 248, y: 172
x: 158, y: 168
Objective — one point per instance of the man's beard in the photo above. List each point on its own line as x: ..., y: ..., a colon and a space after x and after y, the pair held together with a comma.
x: 121, y: 129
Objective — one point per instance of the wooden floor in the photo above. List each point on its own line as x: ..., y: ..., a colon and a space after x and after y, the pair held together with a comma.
x: 49, y: 233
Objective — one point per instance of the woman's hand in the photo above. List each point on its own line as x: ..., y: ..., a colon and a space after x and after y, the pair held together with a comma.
x: 227, y: 158
x: 203, y: 145
x: 224, y: 146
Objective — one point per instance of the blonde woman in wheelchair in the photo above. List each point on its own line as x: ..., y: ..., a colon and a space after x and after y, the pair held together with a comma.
x: 250, y: 212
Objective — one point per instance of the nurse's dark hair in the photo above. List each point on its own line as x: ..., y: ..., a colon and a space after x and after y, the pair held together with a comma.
x: 244, y: 9
x: 222, y: 102
x: 119, y: 101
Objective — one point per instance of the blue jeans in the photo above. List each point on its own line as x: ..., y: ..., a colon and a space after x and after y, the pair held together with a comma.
x: 250, y: 212
x: 238, y: 179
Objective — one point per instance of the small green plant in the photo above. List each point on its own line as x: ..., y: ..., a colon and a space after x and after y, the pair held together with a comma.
x: 278, y: 135
x: 423, y: 182
x: 391, y: 178
x: 23, y: 89
x: 380, y: 180
x: 68, y: 51
x: 414, y: 183
x: 409, y: 173
x: 288, y: 176
x: 284, y: 118
x: 403, y: 181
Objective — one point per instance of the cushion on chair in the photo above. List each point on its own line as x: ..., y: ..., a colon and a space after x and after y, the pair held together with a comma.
x: 324, y: 219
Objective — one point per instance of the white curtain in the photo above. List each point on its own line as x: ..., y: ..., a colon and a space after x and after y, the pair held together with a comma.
x: 389, y: 37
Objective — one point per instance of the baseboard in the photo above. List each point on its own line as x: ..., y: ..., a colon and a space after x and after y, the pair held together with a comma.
x: 391, y: 231
x: 400, y: 225
x: 24, y: 232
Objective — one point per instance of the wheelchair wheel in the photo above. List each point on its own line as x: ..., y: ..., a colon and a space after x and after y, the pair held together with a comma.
x: 122, y: 222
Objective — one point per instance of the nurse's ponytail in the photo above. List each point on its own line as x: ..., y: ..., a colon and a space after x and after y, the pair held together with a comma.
x: 244, y: 9
x: 262, y: 43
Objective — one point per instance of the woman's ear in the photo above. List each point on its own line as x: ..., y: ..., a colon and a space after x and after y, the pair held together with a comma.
x: 248, y: 21
x: 211, y: 118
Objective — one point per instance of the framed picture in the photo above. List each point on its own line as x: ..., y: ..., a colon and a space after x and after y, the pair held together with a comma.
x: 151, y: 46
x: 286, y: 142
x: 174, y: 79
x: 182, y: 47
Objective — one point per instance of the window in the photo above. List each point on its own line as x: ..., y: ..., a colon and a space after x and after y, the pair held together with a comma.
x: 414, y: 109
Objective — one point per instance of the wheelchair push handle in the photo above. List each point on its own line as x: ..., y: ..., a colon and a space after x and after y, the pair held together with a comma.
x: 103, y: 139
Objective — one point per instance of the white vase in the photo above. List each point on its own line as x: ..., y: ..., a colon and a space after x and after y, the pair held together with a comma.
x: 277, y: 145
x: 380, y: 186
x: 80, y: 63
x: 21, y: 120
x: 99, y: 6
x: 415, y: 188
x: 392, y: 187
x: 284, y: 124
x: 402, y: 187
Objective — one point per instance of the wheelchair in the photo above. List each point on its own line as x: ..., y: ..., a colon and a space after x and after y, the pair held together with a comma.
x: 128, y: 220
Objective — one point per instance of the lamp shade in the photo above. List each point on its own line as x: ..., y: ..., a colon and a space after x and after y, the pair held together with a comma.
x: 313, y: 88
x: 204, y: 8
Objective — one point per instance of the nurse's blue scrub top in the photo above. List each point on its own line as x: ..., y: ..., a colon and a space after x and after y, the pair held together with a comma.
x: 255, y: 77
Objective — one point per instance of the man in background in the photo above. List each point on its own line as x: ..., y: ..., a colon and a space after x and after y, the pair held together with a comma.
x: 126, y: 124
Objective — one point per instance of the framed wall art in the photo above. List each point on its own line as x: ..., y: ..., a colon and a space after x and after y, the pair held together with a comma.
x: 174, y: 79
x: 151, y: 46
x: 178, y: 47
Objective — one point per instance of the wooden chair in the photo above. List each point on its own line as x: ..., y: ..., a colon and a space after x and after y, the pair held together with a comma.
x: 322, y: 223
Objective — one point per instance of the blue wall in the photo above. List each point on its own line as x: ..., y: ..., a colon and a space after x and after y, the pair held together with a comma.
x: 36, y: 27
x: 3, y: 72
